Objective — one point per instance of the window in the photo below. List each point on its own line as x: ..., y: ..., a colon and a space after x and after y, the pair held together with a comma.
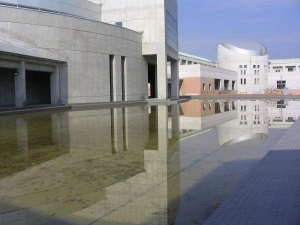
x: 204, y: 86
x: 183, y: 62
x: 254, y: 66
x: 119, y: 24
x: 204, y: 107
x: 244, y: 72
x: 257, y: 72
x: 189, y: 63
x: 244, y: 81
x: 241, y: 81
x: 291, y: 69
x: 241, y: 72
x: 258, y: 66
x: 209, y: 105
x: 245, y: 66
x: 277, y: 69
x: 209, y: 87
x: 257, y: 80
x: 281, y: 84
x: 241, y: 66
x: 254, y: 72
x: 245, y: 108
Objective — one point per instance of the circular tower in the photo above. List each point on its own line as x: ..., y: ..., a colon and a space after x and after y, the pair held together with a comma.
x: 250, y: 60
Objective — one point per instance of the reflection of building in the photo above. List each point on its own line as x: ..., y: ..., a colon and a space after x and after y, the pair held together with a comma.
x: 252, y: 123
x: 282, y: 114
x: 66, y: 52
x: 113, y: 169
x: 202, y: 115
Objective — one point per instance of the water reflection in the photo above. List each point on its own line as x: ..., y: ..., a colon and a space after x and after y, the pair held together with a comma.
x: 125, y: 165
x: 114, y: 165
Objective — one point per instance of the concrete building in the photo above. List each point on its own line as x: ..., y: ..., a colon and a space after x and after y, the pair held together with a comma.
x: 284, y: 76
x: 249, y: 60
x: 58, y: 52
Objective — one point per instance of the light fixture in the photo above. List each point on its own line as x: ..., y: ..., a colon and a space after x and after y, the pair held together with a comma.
x: 16, y: 73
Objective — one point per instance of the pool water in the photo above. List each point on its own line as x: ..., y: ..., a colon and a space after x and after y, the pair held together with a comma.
x: 150, y: 165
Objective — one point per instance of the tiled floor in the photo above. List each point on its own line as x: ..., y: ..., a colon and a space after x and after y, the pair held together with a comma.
x: 271, y: 192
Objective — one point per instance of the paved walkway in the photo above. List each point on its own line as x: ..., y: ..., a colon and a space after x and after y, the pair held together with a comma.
x: 271, y: 192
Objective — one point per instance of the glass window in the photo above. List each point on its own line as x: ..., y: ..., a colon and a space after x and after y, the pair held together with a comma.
x: 244, y: 81
x: 281, y: 84
x: 204, y: 86
x: 244, y: 72
x: 119, y: 24
x: 241, y: 81
x: 241, y: 66
x: 254, y: 66
x: 245, y: 66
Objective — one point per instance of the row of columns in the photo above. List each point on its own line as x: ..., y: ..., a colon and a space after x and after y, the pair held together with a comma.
x: 20, y: 86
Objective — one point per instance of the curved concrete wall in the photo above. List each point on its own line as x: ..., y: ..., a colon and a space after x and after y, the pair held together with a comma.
x: 87, y: 46
x: 81, y: 8
x: 256, y: 82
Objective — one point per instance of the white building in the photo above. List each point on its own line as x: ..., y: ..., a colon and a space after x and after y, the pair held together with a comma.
x: 284, y: 74
x: 250, y: 60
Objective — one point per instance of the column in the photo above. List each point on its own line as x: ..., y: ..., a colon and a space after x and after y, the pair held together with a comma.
x: 20, y: 86
x: 174, y: 80
x: 22, y: 136
x: 117, y: 78
x: 55, y: 83
x: 162, y: 76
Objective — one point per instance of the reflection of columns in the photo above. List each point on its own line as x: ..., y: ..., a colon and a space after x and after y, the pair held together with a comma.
x: 54, y: 82
x: 22, y: 136
x: 174, y: 79
x: 162, y: 130
x: 117, y: 78
x: 125, y: 129
x: 56, y: 129
x: 162, y: 76
x: 20, y: 86
x: 175, y: 121
x: 118, y: 129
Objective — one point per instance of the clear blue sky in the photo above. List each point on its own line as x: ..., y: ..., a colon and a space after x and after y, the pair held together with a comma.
x: 203, y: 24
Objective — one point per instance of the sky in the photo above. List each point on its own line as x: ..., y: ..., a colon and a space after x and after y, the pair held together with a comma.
x: 275, y: 24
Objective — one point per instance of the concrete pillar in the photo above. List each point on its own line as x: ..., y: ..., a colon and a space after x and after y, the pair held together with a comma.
x: 20, y: 86
x: 117, y: 78
x: 22, y: 135
x: 56, y: 129
x: 174, y: 80
x: 162, y: 76
x: 55, y: 87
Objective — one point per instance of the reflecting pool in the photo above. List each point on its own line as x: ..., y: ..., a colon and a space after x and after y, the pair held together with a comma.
x: 150, y: 165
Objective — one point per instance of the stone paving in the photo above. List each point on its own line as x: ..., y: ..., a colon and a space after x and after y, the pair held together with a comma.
x: 271, y: 192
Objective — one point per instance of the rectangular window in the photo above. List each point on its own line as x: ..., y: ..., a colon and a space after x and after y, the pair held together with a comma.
x: 244, y: 72
x: 281, y: 84
x: 119, y: 24
x: 254, y: 72
x: 241, y: 66
x: 241, y: 81
x: 245, y: 66
x: 255, y: 81
x: 189, y: 63
x: 209, y: 87
x: 244, y: 81
x: 183, y: 62
x: 291, y: 69
x: 123, y: 76
x: 257, y: 72
x: 241, y: 72
x: 258, y: 66
x: 111, y: 76
x: 254, y: 66
x: 204, y: 86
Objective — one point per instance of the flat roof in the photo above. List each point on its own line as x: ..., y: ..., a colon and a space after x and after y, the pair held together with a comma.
x: 194, y: 56
x: 10, y: 48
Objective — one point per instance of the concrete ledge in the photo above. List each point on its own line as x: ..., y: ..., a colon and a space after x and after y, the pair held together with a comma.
x: 31, y: 109
x: 249, y: 96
